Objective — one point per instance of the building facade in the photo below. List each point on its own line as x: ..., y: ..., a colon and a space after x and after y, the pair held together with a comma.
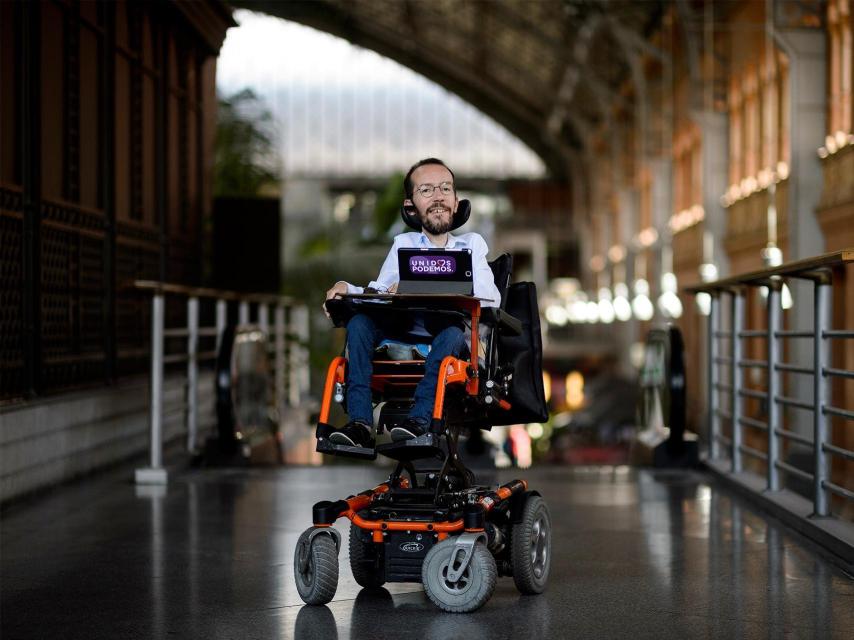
x: 108, y: 113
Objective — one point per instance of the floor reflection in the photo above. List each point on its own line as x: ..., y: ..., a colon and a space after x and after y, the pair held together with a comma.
x: 636, y: 554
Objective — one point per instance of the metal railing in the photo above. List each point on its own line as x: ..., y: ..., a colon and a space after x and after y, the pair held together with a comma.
x: 725, y: 380
x: 288, y: 330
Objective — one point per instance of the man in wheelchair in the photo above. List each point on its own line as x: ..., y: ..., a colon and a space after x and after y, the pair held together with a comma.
x: 430, y: 522
x: 432, y: 205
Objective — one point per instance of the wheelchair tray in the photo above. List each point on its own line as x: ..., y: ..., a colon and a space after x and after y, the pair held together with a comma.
x: 381, y: 304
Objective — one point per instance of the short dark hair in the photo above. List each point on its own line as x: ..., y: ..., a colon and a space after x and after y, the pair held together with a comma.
x: 408, y: 187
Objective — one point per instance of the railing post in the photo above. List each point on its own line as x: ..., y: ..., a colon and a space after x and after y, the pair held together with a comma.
x: 712, y: 377
x: 279, y: 321
x: 264, y: 317
x: 192, y: 372
x: 775, y: 309
x: 297, y: 367
x: 821, y: 395
x: 221, y: 319
x: 155, y: 473
x: 737, y: 375
x: 243, y: 312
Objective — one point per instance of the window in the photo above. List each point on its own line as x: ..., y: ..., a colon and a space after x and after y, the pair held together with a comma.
x: 759, y: 123
x: 840, y: 66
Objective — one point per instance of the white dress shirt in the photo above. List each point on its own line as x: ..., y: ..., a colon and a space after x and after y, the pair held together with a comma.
x: 484, y: 282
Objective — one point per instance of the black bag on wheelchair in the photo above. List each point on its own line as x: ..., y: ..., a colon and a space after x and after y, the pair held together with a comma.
x: 523, y: 355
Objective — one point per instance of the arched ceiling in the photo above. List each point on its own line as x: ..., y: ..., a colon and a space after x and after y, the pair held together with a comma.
x: 541, y: 68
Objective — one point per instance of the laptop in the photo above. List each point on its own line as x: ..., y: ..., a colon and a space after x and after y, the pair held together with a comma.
x: 435, y: 271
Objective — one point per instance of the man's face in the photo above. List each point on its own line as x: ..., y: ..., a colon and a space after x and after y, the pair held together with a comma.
x: 437, y: 210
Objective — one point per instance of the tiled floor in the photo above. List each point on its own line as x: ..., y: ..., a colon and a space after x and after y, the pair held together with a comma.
x: 637, y: 554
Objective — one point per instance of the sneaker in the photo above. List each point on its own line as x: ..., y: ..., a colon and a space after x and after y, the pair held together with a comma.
x: 354, y: 434
x: 409, y: 428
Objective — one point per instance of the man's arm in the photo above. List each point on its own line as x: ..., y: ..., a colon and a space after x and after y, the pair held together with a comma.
x: 389, y: 276
x: 386, y: 281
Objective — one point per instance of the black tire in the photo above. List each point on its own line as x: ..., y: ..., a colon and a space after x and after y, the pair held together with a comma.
x: 474, y: 587
x: 530, y: 547
x: 318, y: 582
x: 368, y: 570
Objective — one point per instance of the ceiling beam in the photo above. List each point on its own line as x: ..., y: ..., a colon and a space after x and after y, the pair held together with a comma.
x: 635, y: 42
x: 572, y: 74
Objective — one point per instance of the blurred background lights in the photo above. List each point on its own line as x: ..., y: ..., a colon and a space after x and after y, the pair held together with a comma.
x: 642, y: 305
x: 547, y: 385
x: 592, y: 311
x: 574, y: 390
x: 668, y: 302
x: 606, y: 308
x: 535, y: 430
x: 622, y: 307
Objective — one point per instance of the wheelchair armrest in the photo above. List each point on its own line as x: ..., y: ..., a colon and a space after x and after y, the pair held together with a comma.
x: 495, y: 317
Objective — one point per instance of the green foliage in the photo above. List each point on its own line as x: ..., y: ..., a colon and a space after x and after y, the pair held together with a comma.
x: 388, y: 205
x: 245, y: 153
x: 317, y: 245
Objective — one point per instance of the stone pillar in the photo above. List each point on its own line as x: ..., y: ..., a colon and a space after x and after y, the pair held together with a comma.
x: 662, y: 209
x: 714, y: 128
x: 805, y: 49
x: 627, y: 334
x: 808, y: 105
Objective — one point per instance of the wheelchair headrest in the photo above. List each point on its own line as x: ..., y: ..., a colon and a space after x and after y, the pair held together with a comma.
x: 410, y: 216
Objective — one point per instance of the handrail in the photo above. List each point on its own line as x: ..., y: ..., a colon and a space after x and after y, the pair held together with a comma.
x: 204, y: 292
x: 727, y: 359
x: 809, y: 268
x: 288, y: 319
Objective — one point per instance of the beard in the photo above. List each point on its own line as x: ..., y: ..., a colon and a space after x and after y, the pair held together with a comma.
x: 437, y: 227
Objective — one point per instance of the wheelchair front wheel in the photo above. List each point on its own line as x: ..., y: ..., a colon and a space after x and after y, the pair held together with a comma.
x: 316, y: 568
x: 530, y: 547
x: 473, y: 588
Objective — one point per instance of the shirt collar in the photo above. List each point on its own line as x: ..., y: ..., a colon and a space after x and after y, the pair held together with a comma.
x: 425, y: 241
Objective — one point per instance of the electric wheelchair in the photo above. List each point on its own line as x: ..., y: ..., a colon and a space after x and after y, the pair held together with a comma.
x: 430, y: 522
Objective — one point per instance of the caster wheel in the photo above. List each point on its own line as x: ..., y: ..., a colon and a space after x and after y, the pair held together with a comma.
x: 316, y: 568
x: 530, y: 550
x: 367, y: 567
x: 473, y: 588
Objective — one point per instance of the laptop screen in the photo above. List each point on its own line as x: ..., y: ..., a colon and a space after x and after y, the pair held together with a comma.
x: 435, y: 271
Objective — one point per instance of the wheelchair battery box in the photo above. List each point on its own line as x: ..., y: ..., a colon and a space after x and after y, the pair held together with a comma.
x: 404, y: 555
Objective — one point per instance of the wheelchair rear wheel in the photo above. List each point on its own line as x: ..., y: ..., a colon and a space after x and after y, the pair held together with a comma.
x: 473, y: 588
x: 365, y: 563
x: 530, y: 550
x: 316, y: 568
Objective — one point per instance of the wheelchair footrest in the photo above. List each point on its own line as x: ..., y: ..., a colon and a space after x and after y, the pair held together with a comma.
x: 324, y: 446
x: 424, y: 446
x: 346, y: 451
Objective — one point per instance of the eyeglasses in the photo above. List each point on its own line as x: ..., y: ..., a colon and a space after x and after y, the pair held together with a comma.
x: 426, y: 190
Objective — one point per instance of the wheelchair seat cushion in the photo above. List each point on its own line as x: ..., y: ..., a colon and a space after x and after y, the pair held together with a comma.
x: 396, y: 350
x: 405, y: 351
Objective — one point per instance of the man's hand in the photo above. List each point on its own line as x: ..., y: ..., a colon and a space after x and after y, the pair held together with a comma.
x: 338, y: 289
x: 393, y: 288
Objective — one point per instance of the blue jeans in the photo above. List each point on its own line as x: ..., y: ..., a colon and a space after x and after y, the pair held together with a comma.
x: 363, y: 336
